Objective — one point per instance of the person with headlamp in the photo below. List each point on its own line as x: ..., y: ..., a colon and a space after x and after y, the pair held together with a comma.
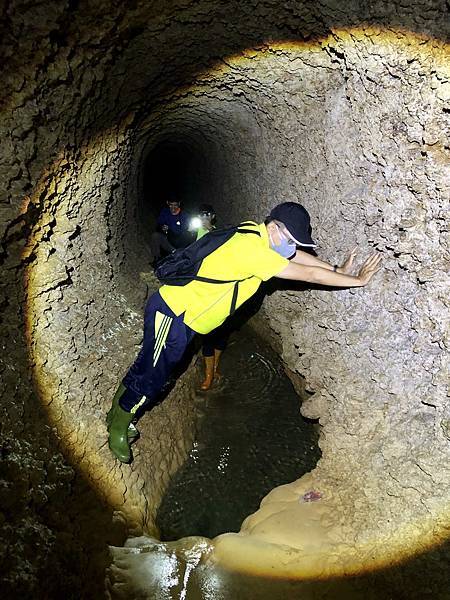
x: 213, y: 343
x: 172, y: 231
x: 204, y: 221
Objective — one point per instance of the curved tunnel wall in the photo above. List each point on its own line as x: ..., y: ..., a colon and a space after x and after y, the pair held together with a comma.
x: 355, y: 125
x: 345, y: 141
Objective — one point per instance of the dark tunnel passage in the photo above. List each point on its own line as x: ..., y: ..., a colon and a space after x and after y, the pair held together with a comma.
x: 190, y: 156
x: 186, y: 166
x: 173, y: 170
x: 106, y: 111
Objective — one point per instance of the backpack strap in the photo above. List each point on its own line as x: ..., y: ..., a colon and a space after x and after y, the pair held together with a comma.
x: 210, y: 280
x: 234, y: 297
x: 247, y: 224
x: 235, y: 281
x: 248, y: 231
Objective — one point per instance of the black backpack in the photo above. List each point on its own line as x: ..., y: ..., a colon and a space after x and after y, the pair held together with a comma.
x: 182, y: 266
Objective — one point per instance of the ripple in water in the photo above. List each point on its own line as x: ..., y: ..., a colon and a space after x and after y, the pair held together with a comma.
x: 251, y: 438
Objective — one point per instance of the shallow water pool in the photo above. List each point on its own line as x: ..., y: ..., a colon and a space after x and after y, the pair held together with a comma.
x: 251, y: 438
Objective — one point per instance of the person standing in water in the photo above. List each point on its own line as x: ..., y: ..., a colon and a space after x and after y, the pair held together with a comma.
x: 174, y: 314
x: 214, y: 342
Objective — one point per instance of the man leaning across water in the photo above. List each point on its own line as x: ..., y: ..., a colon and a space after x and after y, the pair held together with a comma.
x: 174, y: 314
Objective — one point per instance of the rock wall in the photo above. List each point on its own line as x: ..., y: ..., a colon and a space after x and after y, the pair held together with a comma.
x: 374, y: 173
x: 343, y: 109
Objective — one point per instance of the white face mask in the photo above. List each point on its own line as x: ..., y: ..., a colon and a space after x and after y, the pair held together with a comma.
x: 285, y: 248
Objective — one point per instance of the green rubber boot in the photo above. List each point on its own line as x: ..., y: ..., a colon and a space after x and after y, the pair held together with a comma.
x: 115, y: 403
x: 119, y: 443
x: 132, y: 433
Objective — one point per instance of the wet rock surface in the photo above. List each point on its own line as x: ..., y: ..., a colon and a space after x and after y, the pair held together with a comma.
x: 345, y: 109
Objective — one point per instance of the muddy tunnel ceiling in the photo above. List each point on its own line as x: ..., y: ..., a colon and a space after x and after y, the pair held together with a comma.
x: 107, y: 107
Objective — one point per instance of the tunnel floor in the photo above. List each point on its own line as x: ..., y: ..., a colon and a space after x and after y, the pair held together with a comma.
x: 251, y: 438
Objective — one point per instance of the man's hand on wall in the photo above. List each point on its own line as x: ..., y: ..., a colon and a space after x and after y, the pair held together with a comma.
x: 347, y: 265
x: 369, y: 268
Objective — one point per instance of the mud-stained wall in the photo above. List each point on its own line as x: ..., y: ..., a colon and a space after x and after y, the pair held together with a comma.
x: 381, y: 374
x: 367, y: 144
x: 345, y: 110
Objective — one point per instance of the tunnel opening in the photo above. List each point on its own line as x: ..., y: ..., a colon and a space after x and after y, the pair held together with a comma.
x: 184, y: 164
x: 196, y: 153
x: 172, y: 170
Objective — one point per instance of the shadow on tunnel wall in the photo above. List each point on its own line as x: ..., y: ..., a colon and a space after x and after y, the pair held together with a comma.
x: 54, y: 528
x: 232, y: 28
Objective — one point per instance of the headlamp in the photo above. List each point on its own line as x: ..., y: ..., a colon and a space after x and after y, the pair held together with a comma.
x: 195, y: 223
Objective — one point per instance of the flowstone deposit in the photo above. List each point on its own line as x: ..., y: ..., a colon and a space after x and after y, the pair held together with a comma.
x: 344, y: 108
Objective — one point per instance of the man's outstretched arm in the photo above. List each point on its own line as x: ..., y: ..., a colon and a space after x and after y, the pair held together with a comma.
x: 303, y: 258
x: 324, y: 276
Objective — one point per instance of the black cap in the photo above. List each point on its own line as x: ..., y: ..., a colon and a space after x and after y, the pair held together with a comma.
x: 296, y: 220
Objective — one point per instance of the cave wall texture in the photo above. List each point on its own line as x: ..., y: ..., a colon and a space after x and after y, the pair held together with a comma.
x: 343, y: 107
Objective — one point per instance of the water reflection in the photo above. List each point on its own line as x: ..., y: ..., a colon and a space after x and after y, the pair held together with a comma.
x: 251, y: 438
x: 153, y: 570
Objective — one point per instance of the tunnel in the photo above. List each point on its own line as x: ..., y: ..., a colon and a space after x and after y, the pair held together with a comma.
x: 107, y: 109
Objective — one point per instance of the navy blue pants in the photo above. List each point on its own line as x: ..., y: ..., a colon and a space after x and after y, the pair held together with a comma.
x: 216, y: 339
x: 165, y: 340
